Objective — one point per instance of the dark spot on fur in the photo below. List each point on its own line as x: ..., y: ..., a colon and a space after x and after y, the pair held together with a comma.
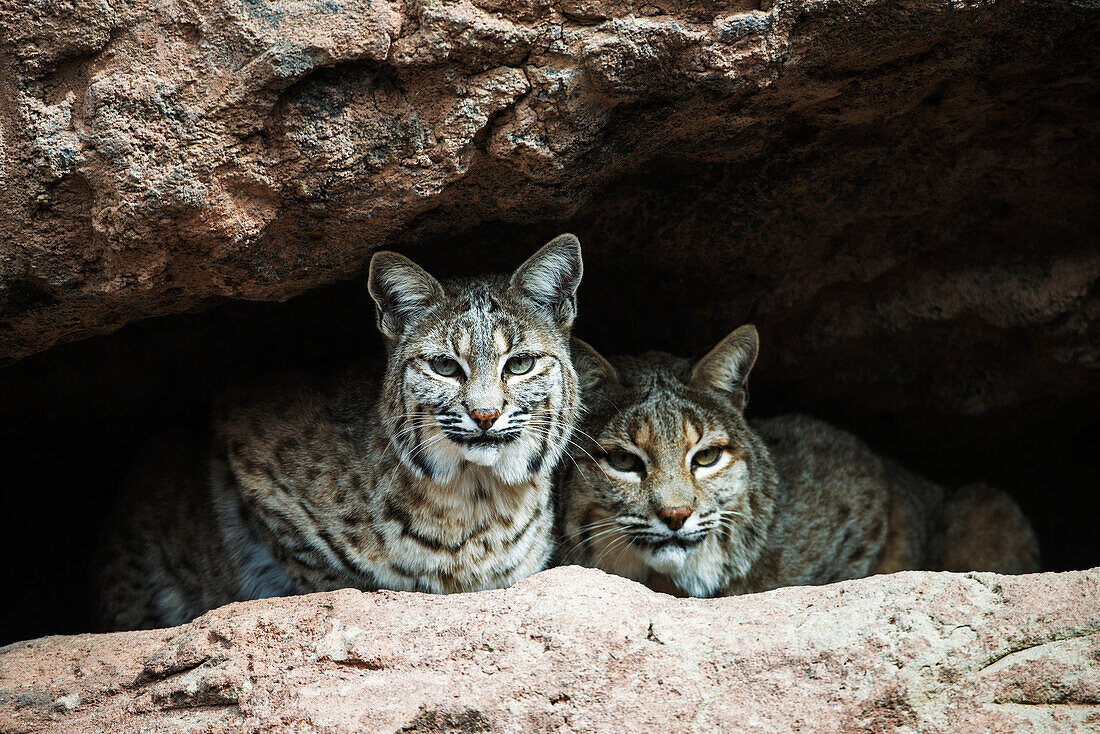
x: 509, y: 542
x: 948, y: 676
x: 402, y: 571
x: 422, y: 465
x: 876, y: 528
x: 754, y: 504
x: 284, y: 458
x: 269, y: 475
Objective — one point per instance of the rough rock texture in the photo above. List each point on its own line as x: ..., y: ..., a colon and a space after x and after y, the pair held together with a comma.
x: 574, y: 650
x: 916, y: 178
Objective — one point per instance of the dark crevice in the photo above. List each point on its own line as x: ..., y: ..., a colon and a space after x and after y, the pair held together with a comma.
x: 72, y: 419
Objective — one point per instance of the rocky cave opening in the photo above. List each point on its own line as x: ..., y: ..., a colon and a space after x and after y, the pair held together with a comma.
x: 931, y: 368
x: 902, y: 196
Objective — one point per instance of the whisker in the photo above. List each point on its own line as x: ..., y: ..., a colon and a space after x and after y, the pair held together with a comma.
x: 607, y: 550
x: 411, y: 429
x: 549, y: 424
x: 598, y: 523
x: 624, y: 550
x: 590, y: 456
x: 602, y: 534
x: 420, y: 447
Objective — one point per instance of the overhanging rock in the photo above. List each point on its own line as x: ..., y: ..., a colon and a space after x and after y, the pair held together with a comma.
x: 918, y: 175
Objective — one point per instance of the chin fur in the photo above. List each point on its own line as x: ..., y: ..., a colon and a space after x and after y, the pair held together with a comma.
x: 694, y: 570
x: 668, y: 560
x: 509, y: 462
x: 485, y: 455
x: 696, y: 585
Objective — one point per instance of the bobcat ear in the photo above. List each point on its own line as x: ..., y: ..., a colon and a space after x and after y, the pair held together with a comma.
x: 550, y: 278
x: 399, y: 288
x: 592, y: 369
x: 727, y: 366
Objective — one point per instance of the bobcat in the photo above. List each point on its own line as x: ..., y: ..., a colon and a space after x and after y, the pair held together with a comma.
x: 674, y: 488
x: 437, y: 478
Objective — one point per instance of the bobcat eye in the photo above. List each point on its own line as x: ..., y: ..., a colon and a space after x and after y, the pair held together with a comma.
x: 624, y: 461
x: 707, y: 457
x: 445, y: 366
x: 519, y: 365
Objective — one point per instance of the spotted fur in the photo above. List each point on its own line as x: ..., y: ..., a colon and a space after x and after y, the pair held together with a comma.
x: 788, y: 501
x: 427, y: 481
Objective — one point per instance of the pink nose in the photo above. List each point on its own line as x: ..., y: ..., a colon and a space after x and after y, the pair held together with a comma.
x: 674, y: 516
x: 484, y: 418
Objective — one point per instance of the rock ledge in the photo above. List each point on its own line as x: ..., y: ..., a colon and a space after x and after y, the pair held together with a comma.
x: 577, y: 650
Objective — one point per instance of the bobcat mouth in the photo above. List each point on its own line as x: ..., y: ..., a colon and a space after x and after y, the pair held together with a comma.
x: 676, y: 541
x: 484, y: 439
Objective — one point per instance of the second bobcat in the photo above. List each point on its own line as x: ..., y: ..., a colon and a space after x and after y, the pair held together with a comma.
x: 676, y: 489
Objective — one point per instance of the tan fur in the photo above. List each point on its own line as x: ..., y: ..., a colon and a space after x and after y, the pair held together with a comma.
x: 897, y: 552
x: 986, y: 530
x: 793, y: 501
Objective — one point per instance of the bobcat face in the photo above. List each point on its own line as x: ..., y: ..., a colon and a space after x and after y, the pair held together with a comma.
x: 673, y: 471
x: 482, y: 385
x: 479, y: 371
x: 676, y: 482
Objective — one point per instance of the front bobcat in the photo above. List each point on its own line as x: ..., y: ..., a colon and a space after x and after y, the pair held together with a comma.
x: 674, y: 488
x: 435, y: 478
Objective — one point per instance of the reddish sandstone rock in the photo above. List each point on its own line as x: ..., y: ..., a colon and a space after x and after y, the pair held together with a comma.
x: 575, y: 650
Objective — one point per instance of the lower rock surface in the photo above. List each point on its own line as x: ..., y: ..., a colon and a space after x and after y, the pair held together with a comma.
x: 573, y: 649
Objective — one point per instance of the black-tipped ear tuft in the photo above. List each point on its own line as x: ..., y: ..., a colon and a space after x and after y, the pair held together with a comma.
x: 592, y: 369
x: 399, y: 288
x: 550, y: 278
x: 727, y: 366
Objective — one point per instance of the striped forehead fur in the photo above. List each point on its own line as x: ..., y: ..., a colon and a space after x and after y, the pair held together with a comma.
x: 477, y: 307
x: 653, y: 385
